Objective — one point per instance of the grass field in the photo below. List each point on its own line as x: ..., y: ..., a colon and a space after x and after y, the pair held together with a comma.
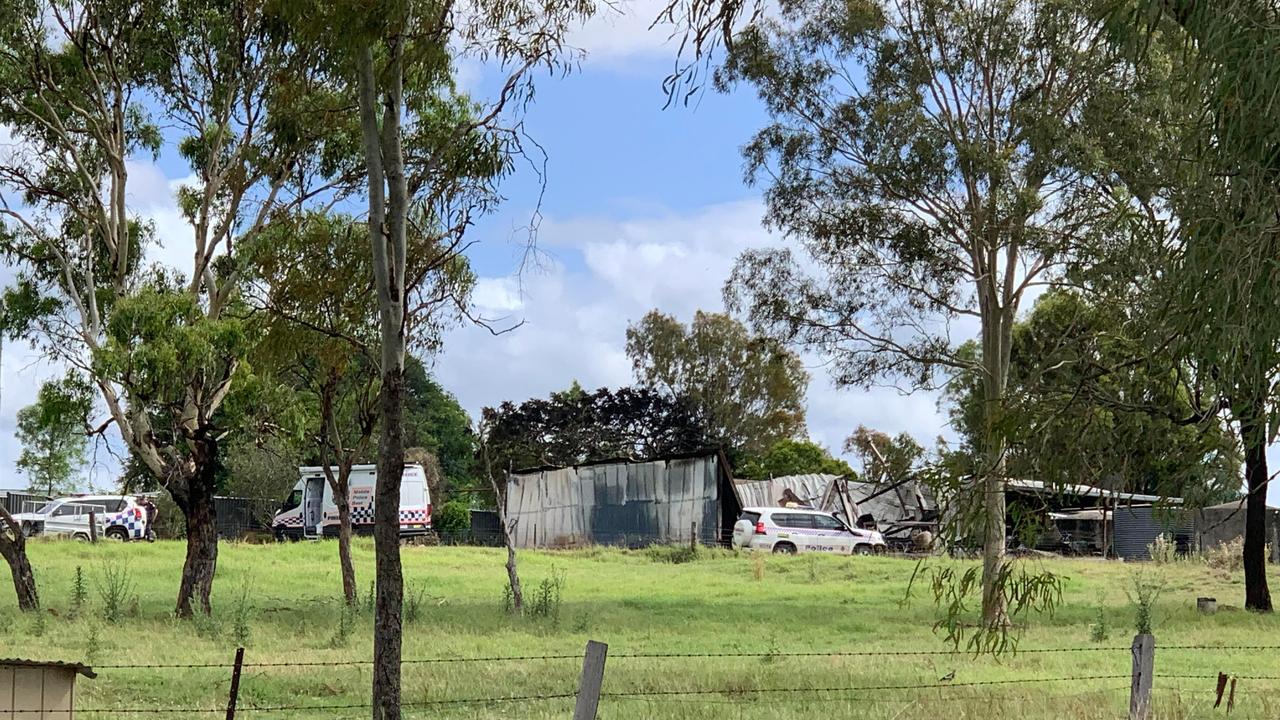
x: 283, y: 601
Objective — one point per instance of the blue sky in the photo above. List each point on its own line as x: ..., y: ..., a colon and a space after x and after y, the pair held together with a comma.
x: 644, y: 208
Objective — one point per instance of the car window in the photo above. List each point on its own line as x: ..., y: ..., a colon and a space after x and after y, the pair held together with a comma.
x: 294, y: 500
x: 114, y: 505
x: 67, y: 509
x: 824, y: 522
x: 751, y: 517
x: 789, y: 520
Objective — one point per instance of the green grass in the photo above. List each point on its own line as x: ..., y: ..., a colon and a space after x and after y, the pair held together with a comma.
x: 637, y: 602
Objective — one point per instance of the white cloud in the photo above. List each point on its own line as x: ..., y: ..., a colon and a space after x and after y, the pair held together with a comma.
x: 576, y: 319
x: 622, y: 33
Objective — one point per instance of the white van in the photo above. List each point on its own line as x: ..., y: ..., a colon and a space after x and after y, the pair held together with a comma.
x: 310, y: 512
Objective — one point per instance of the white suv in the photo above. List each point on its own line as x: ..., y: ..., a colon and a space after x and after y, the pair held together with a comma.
x: 118, y: 517
x: 793, y: 530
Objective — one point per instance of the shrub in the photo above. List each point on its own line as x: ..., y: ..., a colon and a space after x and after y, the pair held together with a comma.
x: 674, y: 554
x: 1146, y: 590
x: 79, y: 592
x: 115, y: 589
x: 415, y: 597
x: 545, y: 601
x: 242, y: 614
x: 1099, y: 632
x: 1227, y: 557
x: 1162, y: 550
x: 452, y: 517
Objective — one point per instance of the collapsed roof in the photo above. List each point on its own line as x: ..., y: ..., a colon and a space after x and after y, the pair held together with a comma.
x: 895, y: 507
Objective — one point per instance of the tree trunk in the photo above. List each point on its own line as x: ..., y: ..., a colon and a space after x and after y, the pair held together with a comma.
x: 339, y: 485
x: 342, y: 498
x: 996, y: 323
x: 387, y: 625
x: 388, y: 217
x: 508, y: 537
x: 13, y: 546
x: 1253, y: 435
x: 513, y: 575
x: 198, y: 508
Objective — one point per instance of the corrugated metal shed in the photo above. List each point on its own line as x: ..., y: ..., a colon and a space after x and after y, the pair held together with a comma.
x: 623, y: 502
x: 1137, y: 526
x: 1224, y: 523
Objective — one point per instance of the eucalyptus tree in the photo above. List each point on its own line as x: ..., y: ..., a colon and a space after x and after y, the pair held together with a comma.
x: 312, y: 282
x: 87, y: 87
x: 431, y: 157
x: 931, y: 163
x: 748, y: 390
x: 1209, y: 193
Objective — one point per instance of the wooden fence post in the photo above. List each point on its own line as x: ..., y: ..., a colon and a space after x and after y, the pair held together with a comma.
x: 1144, y: 662
x: 235, y: 684
x: 693, y: 535
x: 592, y: 679
x: 93, y: 527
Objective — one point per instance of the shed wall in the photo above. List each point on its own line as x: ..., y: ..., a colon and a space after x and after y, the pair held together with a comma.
x: 36, y: 693
x: 1137, y: 527
x: 623, y: 503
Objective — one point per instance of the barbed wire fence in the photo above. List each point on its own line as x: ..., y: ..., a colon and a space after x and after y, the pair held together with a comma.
x: 591, y: 690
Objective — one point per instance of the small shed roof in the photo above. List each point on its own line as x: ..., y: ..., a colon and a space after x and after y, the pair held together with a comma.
x: 1234, y: 505
x: 80, y: 668
x: 1088, y: 491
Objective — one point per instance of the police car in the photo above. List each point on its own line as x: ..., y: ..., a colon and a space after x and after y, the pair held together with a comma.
x: 793, y: 530
x: 118, y: 517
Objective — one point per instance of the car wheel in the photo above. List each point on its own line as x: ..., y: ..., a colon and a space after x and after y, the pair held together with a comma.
x: 81, y: 537
x: 862, y: 550
x: 784, y: 549
x: 117, y: 533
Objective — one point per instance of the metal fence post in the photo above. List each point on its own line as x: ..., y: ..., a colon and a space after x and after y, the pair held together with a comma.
x: 235, y: 684
x: 592, y: 679
x: 1144, y: 661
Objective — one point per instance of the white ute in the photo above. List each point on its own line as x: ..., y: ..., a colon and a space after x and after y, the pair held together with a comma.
x: 794, y: 530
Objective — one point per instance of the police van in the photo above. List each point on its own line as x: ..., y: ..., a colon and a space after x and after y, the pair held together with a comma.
x: 310, y: 511
x: 794, y: 530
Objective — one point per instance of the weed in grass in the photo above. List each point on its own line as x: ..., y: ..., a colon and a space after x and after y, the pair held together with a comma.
x: 773, y: 653
x: 582, y: 624
x: 346, y: 624
x: 79, y: 592
x: 241, y: 616
x: 674, y: 554
x: 371, y: 600
x: 414, y: 598
x: 1146, y: 590
x: 508, y: 599
x: 757, y: 567
x: 207, y: 626
x: 545, y: 602
x: 1227, y: 557
x: 92, y: 645
x: 1098, y: 631
x: 812, y: 568
x: 41, y: 623
x: 115, y: 589
x: 1162, y: 550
